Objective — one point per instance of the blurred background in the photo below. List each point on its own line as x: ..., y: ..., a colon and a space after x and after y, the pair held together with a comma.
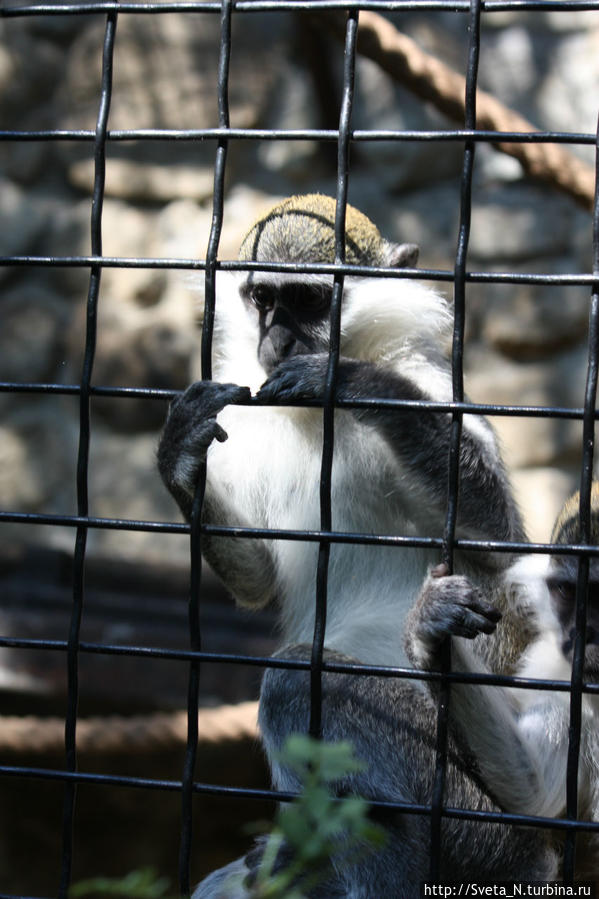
x: 526, y: 344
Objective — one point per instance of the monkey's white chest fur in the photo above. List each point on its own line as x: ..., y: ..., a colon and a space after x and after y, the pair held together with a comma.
x: 269, y: 470
x: 275, y: 484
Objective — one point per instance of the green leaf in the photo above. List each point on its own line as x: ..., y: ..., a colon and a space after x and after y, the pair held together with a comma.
x: 142, y: 884
x: 331, y: 760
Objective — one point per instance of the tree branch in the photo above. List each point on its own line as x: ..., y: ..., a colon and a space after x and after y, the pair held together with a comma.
x: 433, y: 81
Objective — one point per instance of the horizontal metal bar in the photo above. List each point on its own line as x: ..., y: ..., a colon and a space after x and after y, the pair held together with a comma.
x: 353, y: 669
x: 82, y: 777
x: 313, y: 536
x: 213, y: 6
x: 203, y: 134
x: 466, y: 407
x: 580, y: 279
x: 117, y: 524
x: 151, y: 393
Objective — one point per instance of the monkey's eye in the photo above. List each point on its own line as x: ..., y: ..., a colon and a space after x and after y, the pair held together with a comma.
x: 317, y: 299
x: 308, y: 302
x: 261, y: 297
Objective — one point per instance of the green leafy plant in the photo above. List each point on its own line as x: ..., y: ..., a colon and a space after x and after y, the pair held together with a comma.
x: 317, y: 825
x: 310, y: 830
x: 142, y: 884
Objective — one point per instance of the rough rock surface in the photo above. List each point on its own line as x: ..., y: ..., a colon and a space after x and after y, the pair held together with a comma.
x: 526, y: 342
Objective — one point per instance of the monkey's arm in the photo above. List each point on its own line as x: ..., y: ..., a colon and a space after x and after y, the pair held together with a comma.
x: 521, y: 756
x: 245, y: 565
x: 420, y: 439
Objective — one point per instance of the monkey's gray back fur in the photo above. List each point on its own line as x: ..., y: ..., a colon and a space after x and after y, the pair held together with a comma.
x: 399, y: 752
x: 400, y: 761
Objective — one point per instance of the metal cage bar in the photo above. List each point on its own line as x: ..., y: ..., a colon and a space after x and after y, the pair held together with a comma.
x: 329, y: 404
x: 195, y: 541
x: 586, y: 479
x: 83, y: 454
x: 457, y: 367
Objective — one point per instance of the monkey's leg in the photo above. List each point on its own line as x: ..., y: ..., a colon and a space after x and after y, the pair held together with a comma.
x: 246, y: 566
x: 391, y: 725
x: 524, y: 772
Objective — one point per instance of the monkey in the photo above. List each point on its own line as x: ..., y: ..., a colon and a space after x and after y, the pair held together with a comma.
x: 519, y: 737
x: 389, y: 476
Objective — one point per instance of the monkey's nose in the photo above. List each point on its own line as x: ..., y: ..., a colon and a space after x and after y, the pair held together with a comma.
x: 282, y: 341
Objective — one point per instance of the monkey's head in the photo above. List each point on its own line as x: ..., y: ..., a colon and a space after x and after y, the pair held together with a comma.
x: 292, y: 311
x: 563, y: 574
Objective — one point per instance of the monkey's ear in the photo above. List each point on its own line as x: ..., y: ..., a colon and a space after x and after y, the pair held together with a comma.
x: 402, y: 255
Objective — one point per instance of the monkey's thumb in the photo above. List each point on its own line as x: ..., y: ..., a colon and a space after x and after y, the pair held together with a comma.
x: 220, y: 433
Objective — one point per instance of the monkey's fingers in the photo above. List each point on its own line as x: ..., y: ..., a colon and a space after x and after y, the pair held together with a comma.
x: 281, y: 386
x: 220, y: 434
x: 206, y: 398
x: 204, y: 433
x: 458, y: 590
x: 465, y: 616
x: 476, y: 618
x: 471, y: 625
x: 485, y: 610
x: 301, y: 377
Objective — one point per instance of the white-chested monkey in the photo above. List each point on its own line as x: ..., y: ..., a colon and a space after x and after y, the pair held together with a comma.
x: 518, y: 737
x: 389, y: 476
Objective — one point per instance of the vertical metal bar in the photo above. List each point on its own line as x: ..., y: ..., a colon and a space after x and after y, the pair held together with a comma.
x: 586, y: 481
x: 198, y: 501
x: 457, y: 368
x: 83, y: 454
x: 324, y: 551
x: 219, y: 190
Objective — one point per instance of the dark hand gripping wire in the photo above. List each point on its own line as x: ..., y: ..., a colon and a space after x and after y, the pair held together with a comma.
x: 453, y: 485
x: 83, y: 454
x: 196, y: 515
x: 586, y: 481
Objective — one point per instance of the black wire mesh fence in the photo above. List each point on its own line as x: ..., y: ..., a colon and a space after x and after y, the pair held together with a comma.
x: 344, y: 138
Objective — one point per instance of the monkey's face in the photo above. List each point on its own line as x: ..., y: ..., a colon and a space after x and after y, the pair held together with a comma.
x: 562, y: 587
x: 291, y: 314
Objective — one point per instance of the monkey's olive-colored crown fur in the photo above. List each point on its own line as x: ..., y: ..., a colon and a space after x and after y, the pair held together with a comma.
x: 302, y: 229
x: 567, y: 527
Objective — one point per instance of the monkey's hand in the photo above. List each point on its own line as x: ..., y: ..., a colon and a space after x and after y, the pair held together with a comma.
x: 190, y: 428
x: 303, y: 378
x: 448, y: 606
x: 298, y: 378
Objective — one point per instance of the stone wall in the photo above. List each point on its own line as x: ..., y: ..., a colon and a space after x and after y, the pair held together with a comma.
x: 526, y: 344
